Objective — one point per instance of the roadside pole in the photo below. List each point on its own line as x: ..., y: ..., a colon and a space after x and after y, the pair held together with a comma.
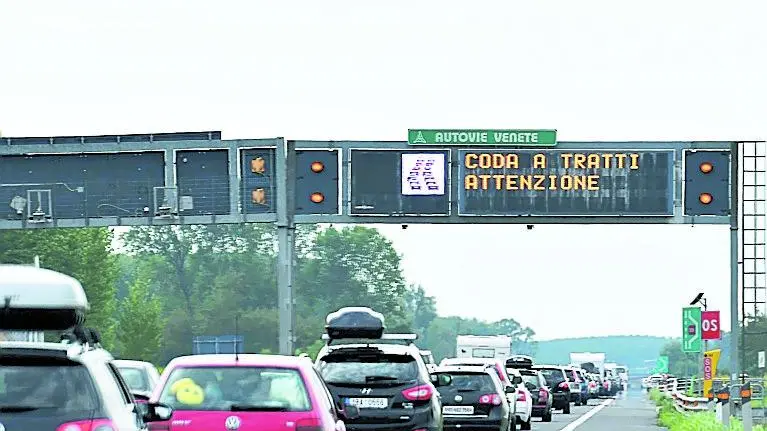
x: 734, y: 265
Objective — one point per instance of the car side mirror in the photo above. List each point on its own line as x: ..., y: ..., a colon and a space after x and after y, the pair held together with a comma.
x: 350, y: 412
x: 140, y: 398
x: 510, y: 389
x: 440, y: 379
x: 516, y: 380
x: 155, y: 412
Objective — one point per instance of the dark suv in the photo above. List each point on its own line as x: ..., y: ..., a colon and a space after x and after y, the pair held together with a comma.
x: 383, y: 377
x: 476, y: 398
x: 558, y: 384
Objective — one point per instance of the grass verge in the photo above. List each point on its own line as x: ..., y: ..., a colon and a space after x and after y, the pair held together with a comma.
x: 670, y: 418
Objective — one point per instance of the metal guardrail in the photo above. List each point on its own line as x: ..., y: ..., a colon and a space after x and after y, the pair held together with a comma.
x: 726, y: 399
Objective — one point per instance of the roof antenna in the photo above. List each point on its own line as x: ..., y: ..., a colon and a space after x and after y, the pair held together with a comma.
x: 236, y: 338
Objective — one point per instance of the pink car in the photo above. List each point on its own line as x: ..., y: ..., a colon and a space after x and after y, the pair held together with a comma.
x: 248, y: 392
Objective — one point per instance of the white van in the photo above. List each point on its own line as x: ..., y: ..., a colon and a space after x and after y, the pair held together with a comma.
x: 483, y: 346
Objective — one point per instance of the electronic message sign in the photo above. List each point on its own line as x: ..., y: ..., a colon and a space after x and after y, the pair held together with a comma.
x: 399, y: 182
x: 586, y: 182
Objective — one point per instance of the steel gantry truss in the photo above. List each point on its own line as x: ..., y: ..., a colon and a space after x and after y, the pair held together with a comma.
x: 753, y: 217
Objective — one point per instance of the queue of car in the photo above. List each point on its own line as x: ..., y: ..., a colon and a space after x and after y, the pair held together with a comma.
x: 362, y: 379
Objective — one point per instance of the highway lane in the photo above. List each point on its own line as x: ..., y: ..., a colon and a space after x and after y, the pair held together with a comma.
x: 630, y: 411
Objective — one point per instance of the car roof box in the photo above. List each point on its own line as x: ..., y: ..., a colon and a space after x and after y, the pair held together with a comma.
x: 39, y: 299
x: 355, y: 322
x: 519, y: 361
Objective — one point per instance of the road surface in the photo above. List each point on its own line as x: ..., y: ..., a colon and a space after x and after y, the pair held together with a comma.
x: 630, y: 411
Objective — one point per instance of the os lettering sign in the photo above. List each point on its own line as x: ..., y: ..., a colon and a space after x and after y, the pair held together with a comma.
x: 710, y: 328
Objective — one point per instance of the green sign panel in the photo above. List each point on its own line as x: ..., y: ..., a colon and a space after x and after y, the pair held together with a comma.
x: 691, y: 330
x: 480, y: 137
x: 661, y: 365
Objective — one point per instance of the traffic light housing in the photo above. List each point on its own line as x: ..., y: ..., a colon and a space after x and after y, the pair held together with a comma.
x: 257, y: 187
x: 316, y: 182
x: 707, y: 183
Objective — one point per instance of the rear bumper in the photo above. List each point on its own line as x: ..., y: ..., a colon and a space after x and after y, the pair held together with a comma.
x: 458, y: 423
x: 561, y: 399
x: 392, y: 421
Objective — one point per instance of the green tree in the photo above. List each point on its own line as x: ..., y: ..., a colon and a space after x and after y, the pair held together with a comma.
x: 352, y: 266
x: 680, y: 363
x: 421, y: 307
x: 140, y: 323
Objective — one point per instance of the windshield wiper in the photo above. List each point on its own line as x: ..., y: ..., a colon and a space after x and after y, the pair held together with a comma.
x: 256, y: 408
x: 19, y: 409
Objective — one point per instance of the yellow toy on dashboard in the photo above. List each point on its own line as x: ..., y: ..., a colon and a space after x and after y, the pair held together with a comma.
x: 188, y: 392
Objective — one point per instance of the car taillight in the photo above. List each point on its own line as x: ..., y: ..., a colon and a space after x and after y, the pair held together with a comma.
x: 607, y: 385
x: 501, y: 374
x: 309, y: 424
x: 521, y: 396
x: 543, y: 395
x: 493, y: 399
x: 418, y: 393
x: 564, y: 385
x: 93, y: 425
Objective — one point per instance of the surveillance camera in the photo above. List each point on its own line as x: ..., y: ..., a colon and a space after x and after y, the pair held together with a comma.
x: 530, y: 227
x: 404, y: 226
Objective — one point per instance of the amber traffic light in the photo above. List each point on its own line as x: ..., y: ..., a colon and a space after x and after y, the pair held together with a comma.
x: 258, y: 165
x: 317, y: 175
x: 317, y: 167
x: 707, y: 183
x: 317, y: 197
x: 258, y: 196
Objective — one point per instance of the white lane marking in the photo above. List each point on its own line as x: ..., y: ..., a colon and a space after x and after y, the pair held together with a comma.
x: 578, y: 422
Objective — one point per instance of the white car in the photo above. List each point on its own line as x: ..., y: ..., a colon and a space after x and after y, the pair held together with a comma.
x: 140, y: 376
x: 524, y: 400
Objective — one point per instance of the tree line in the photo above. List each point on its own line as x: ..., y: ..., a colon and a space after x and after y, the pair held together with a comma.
x: 170, y: 283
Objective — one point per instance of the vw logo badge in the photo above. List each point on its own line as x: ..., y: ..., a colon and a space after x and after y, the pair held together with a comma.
x: 458, y: 398
x: 232, y: 423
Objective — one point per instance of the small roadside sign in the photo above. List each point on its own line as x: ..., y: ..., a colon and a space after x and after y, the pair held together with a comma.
x: 661, y: 365
x: 479, y: 137
x: 691, y: 331
x: 761, y: 359
x: 710, y: 325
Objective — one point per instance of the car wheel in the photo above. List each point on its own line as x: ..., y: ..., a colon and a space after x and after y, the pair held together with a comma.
x: 546, y: 416
x: 513, y: 423
x: 566, y: 410
x: 526, y: 425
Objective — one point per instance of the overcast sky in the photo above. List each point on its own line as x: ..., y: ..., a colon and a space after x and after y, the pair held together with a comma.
x: 611, y: 70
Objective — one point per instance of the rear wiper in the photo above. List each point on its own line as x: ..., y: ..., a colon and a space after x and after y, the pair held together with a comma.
x: 466, y: 390
x: 19, y: 409
x: 256, y: 408
x: 379, y: 378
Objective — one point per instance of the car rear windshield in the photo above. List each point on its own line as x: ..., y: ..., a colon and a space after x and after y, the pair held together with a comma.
x: 136, y: 378
x: 533, y: 380
x: 371, y: 370
x: 40, y: 388
x: 472, y: 382
x: 552, y: 375
x: 238, y: 388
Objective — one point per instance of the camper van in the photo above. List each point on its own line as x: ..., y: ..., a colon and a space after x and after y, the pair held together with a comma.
x: 483, y: 346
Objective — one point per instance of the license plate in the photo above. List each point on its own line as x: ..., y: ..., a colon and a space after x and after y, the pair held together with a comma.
x: 368, y: 403
x: 458, y: 410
